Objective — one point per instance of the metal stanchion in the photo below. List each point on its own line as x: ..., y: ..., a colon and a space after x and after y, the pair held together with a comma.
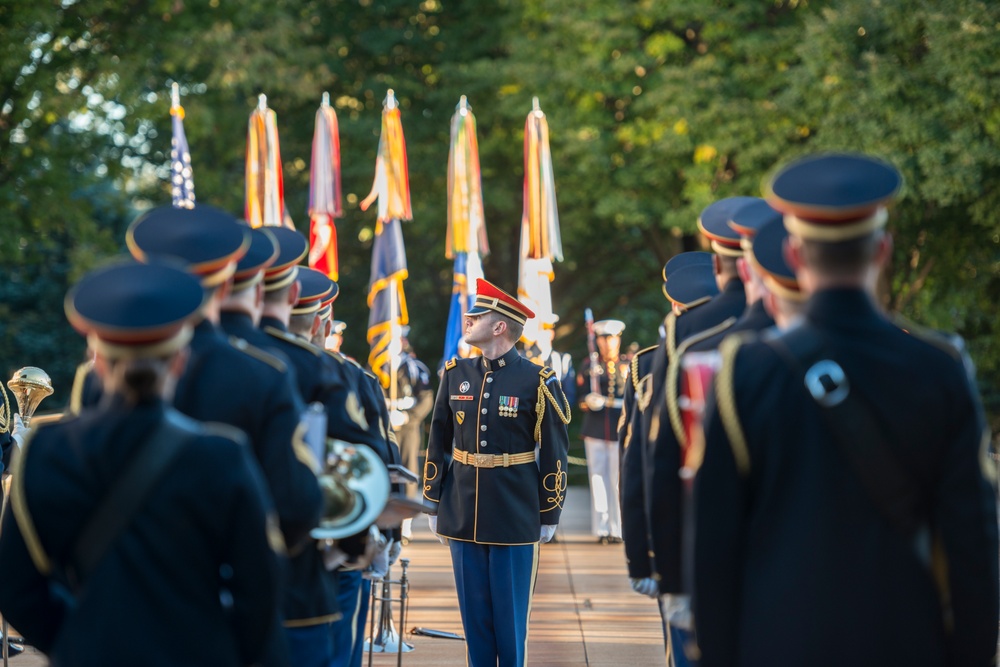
x: 385, y: 638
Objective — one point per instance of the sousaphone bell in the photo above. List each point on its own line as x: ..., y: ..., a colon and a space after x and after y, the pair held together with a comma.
x: 30, y: 386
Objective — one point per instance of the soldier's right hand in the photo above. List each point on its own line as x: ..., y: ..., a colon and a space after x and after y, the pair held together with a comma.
x: 595, y: 402
x: 647, y: 587
x: 18, y: 431
x: 432, y: 521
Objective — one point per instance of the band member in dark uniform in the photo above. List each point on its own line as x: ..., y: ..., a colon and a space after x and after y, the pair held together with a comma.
x: 132, y: 525
x: 214, y: 386
x: 845, y: 513
x: 689, y: 289
x: 602, y: 382
x: 662, y: 484
x: 496, y: 475
x: 745, y: 221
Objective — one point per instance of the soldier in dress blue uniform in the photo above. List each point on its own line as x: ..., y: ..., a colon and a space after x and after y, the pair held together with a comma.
x: 215, y: 383
x: 692, y: 284
x: 602, y: 409
x: 494, y: 496
x: 745, y: 221
x: 690, y: 289
x: 132, y: 525
x: 310, y: 602
x: 845, y: 510
x: 781, y: 293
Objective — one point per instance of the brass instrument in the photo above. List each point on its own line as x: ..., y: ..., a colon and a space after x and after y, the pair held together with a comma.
x: 30, y: 386
x: 385, y: 638
x: 356, y: 488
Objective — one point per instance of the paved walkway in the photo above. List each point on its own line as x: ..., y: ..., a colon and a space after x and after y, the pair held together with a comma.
x: 583, y: 612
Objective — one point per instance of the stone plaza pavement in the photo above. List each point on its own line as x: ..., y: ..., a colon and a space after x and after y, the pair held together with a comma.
x: 583, y: 613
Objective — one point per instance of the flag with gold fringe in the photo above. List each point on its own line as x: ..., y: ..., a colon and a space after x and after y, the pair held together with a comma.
x: 541, y: 243
x: 181, y: 176
x: 265, y: 190
x: 386, y: 300
x: 324, y: 191
x: 466, y: 238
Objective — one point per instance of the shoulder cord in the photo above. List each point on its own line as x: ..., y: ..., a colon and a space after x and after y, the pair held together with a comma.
x: 564, y: 417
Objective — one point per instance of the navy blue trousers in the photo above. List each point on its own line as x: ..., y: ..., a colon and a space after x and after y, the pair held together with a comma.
x: 344, y: 633
x: 494, y: 585
x: 310, y: 646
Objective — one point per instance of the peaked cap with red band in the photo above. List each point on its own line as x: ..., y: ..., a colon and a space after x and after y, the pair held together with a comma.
x: 490, y: 297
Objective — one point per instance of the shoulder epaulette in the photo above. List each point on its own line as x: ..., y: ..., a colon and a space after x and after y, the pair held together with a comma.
x: 673, y: 376
x: 951, y: 344
x: 258, y: 354
x: 725, y: 397
x: 354, y: 362
x: 451, y: 363
x: 224, y: 431
x: 336, y: 356
x: 546, y: 372
x: 293, y: 339
x: 634, y: 366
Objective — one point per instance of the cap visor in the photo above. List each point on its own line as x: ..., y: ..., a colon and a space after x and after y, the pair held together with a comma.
x: 477, y: 310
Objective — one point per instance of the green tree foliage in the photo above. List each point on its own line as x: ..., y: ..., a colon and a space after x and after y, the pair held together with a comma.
x: 655, y: 110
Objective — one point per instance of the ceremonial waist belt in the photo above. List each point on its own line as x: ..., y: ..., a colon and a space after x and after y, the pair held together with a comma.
x: 492, y: 460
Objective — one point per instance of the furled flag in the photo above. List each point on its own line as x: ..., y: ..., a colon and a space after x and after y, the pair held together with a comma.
x: 324, y: 191
x: 466, y: 239
x: 265, y: 194
x: 385, y: 289
x: 181, y: 177
x: 541, y: 242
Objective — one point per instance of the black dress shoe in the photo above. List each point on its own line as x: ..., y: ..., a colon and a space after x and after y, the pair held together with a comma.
x: 603, y: 539
x: 14, y: 650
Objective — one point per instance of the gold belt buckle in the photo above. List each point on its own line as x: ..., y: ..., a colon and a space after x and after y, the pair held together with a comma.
x: 484, y: 460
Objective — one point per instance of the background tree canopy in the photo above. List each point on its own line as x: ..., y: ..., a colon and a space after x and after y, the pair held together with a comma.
x: 655, y: 110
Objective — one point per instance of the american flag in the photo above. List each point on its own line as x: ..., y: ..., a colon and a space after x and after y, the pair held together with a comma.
x: 181, y: 177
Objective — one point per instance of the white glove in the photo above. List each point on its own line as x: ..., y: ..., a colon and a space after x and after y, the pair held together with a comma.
x: 380, y: 563
x: 547, y: 532
x: 333, y: 557
x: 432, y: 522
x: 647, y: 587
x: 18, y: 431
x: 595, y: 402
x: 398, y: 419
x: 395, y: 548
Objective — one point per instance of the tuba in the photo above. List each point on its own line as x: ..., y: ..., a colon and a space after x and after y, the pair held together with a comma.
x: 30, y: 386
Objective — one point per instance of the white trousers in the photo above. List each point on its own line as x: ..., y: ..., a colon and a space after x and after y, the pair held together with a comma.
x: 602, y: 468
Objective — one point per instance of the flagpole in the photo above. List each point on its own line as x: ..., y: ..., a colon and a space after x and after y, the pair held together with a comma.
x: 394, y: 342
